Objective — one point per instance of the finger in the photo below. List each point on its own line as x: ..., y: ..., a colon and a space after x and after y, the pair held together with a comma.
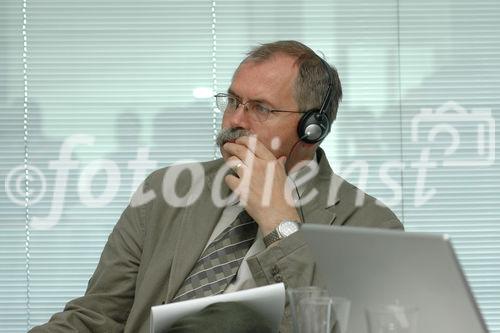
x: 239, y: 151
x: 255, y: 146
x: 233, y: 183
x: 282, y: 161
x: 237, y: 165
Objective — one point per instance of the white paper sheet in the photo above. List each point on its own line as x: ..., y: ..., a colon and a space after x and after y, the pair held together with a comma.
x: 269, y: 301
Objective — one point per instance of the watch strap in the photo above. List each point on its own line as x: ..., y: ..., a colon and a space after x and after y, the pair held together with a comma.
x: 271, y: 237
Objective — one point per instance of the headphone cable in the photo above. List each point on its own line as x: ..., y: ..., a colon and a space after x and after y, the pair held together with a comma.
x: 293, y: 181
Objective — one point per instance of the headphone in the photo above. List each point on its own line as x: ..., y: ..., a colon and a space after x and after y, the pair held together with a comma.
x: 314, y: 125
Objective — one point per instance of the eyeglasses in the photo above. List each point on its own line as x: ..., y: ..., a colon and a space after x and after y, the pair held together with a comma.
x: 228, y: 103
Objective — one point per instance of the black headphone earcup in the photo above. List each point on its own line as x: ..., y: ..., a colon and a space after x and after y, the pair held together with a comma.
x: 313, y: 127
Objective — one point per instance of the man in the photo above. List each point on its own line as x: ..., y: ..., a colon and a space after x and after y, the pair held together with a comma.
x: 279, y: 107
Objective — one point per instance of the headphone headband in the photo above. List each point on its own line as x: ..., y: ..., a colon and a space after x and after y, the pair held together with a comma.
x: 328, y: 96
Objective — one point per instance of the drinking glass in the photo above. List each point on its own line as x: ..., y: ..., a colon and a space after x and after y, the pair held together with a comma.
x: 315, y: 314
x: 306, y: 294
x: 341, y: 309
x: 392, y: 319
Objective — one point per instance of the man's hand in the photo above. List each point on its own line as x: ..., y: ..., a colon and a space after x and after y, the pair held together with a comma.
x: 262, y: 184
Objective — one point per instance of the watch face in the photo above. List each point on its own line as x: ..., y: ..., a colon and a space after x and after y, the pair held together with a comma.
x: 287, y: 228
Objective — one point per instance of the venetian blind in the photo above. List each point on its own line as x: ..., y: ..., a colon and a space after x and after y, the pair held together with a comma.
x: 118, y: 88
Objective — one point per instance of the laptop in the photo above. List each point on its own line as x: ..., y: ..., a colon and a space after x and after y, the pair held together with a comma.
x: 376, y: 267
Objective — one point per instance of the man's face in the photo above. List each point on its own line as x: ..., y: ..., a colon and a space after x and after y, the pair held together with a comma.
x: 270, y: 82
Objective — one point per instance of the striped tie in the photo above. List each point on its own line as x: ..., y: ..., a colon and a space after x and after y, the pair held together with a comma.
x: 220, y: 261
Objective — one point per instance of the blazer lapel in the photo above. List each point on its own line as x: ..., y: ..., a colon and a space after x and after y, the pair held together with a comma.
x: 319, y: 214
x: 197, y: 226
x: 321, y: 210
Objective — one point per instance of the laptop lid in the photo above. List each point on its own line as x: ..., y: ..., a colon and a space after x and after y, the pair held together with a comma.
x: 373, y: 267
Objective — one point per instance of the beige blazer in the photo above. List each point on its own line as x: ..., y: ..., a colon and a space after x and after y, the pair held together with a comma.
x: 154, y: 246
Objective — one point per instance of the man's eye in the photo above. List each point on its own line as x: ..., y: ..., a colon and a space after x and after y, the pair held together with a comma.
x: 232, y: 102
x: 259, y: 108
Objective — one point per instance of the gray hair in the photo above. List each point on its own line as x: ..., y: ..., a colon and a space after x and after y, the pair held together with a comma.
x: 312, y: 81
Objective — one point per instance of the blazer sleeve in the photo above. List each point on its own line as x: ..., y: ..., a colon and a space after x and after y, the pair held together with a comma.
x: 110, y: 292
x: 291, y: 262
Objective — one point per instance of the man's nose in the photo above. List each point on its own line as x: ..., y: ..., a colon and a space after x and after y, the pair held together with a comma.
x: 239, y: 118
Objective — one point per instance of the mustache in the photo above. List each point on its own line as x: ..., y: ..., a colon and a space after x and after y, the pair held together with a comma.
x: 230, y: 134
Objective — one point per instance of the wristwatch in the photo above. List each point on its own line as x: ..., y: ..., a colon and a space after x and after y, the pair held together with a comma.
x: 284, y: 229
